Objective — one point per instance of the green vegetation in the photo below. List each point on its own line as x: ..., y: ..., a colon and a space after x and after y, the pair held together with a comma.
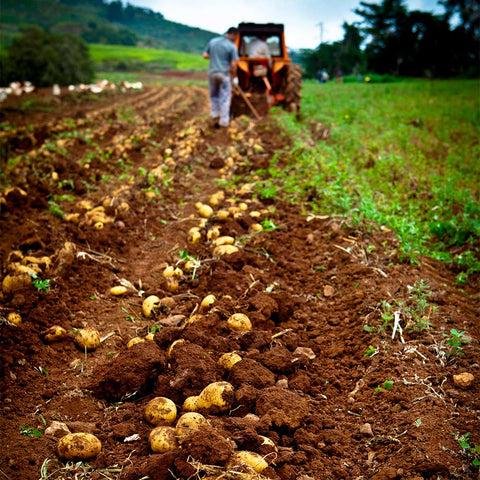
x: 39, y: 284
x: 30, y: 431
x: 456, y: 340
x: 471, y: 452
x: 402, y: 155
x: 124, y: 58
x: 387, y: 385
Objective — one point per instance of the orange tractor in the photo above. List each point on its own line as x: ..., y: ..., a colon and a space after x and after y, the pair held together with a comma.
x: 267, y: 75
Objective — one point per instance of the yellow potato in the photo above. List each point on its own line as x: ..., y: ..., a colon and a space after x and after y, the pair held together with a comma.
x: 55, y: 334
x: 207, y: 302
x: 225, y: 250
x: 190, y: 404
x: 99, y: 225
x: 255, y: 214
x: 249, y: 459
x: 225, y: 240
x: 162, y: 439
x: 14, y: 283
x: 173, y: 345
x: 169, y: 271
x: 218, y: 395
x: 255, y: 227
x: 160, y: 410
x: 14, y: 318
x: 118, y: 290
x: 134, y: 341
x: 195, y: 318
x: 188, y: 423
x: 228, y: 360
x: 194, y: 235
x: 87, y: 338
x: 171, y: 284
x: 78, y: 446
x: 205, y: 211
x: 223, y: 214
x: 150, y: 336
x: 213, y: 233
x: 239, y: 322
x: 150, y: 304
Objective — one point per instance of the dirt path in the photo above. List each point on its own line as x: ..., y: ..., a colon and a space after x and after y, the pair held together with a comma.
x: 106, y: 193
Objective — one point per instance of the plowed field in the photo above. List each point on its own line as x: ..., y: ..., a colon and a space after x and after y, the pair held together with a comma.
x: 105, y: 193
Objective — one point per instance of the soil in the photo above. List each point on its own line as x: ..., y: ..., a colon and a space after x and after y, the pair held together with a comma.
x: 309, y: 284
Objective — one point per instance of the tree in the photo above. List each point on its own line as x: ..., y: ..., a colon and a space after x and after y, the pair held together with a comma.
x: 45, y: 59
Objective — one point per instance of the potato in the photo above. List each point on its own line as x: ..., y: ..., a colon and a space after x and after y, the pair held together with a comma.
x: 160, y: 410
x: 223, y: 214
x: 162, y: 439
x: 255, y: 227
x: 228, y: 360
x: 239, y: 322
x: 14, y: 283
x: 118, y: 290
x: 225, y: 240
x: 190, y: 404
x: 134, y: 341
x: 249, y: 459
x: 188, y: 423
x: 150, y: 304
x: 150, y: 336
x: 78, y: 446
x: 217, y: 396
x: 207, y: 302
x: 225, y: 250
x: 194, y: 235
x: 243, y: 206
x: 255, y: 214
x: 205, y: 211
x: 14, y: 318
x: 195, y: 318
x: 87, y: 339
x: 169, y: 271
x: 171, y: 284
x: 54, y: 334
x: 99, y: 225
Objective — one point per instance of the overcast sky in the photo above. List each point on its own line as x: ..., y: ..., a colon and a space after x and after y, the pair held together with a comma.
x: 304, y: 20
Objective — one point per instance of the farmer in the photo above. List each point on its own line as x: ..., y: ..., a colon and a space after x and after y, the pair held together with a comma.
x: 222, y: 72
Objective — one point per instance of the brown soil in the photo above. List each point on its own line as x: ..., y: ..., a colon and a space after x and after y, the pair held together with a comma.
x: 309, y: 287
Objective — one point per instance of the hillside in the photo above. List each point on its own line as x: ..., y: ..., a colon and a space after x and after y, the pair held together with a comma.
x: 99, y: 22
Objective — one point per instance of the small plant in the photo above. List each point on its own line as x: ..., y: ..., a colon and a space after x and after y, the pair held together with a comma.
x: 39, y: 284
x: 387, y: 385
x: 42, y: 370
x: 417, y: 422
x: 30, y: 431
x: 268, y: 225
x: 155, y: 328
x: 371, y: 351
x: 472, y: 452
x: 55, y: 209
x: 456, y: 339
x: 128, y: 317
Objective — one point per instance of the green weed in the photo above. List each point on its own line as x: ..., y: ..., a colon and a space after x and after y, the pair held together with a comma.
x: 39, y: 284
x: 456, y: 340
x: 55, y: 209
x: 30, y: 431
x: 387, y: 385
x: 471, y: 452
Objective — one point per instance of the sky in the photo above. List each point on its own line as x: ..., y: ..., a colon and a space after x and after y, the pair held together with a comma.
x: 307, y: 22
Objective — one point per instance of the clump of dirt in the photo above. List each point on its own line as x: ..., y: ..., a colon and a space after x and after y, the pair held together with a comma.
x: 108, y: 193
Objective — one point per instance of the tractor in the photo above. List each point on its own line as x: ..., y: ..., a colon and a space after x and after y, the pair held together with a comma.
x: 265, y: 81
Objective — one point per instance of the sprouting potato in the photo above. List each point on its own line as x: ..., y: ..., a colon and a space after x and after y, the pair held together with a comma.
x: 188, y: 423
x: 190, y: 404
x: 150, y: 336
x: 14, y: 318
x: 207, y: 302
x: 228, y: 360
x: 160, y: 410
x: 162, y: 439
x: 134, y: 341
x: 118, y: 290
x: 87, y: 339
x: 249, y: 459
x: 56, y: 333
x: 150, y: 304
x: 216, y: 396
x: 225, y: 240
x: 239, y: 322
x: 78, y: 446
x: 225, y: 250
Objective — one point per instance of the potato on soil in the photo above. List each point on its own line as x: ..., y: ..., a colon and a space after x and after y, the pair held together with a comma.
x: 207, y: 302
x: 118, y: 290
x: 14, y: 283
x: 216, y: 397
x: 78, y: 446
x: 162, y: 439
x: 56, y: 333
x: 205, y: 211
x: 134, y: 341
x: 249, y: 459
x: 228, y: 360
x: 160, y: 410
x: 190, y: 404
x: 225, y: 250
x: 14, y: 318
x: 87, y: 338
x: 188, y: 423
x: 225, y: 240
x: 150, y: 304
x: 239, y: 322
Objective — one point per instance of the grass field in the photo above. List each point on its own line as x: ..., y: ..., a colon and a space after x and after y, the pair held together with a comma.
x: 404, y: 155
x: 118, y: 57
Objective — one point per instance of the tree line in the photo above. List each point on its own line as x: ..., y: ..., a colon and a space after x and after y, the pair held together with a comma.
x: 392, y: 40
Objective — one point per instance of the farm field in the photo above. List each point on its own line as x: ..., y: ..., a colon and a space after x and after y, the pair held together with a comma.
x: 358, y: 364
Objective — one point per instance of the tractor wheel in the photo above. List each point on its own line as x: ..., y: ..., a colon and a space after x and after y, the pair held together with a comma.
x: 293, y: 86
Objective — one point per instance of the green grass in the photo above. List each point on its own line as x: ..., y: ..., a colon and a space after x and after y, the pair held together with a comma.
x: 119, y: 57
x: 404, y: 155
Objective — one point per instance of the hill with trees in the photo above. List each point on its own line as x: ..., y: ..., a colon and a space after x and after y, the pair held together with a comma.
x: 98, y: 21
